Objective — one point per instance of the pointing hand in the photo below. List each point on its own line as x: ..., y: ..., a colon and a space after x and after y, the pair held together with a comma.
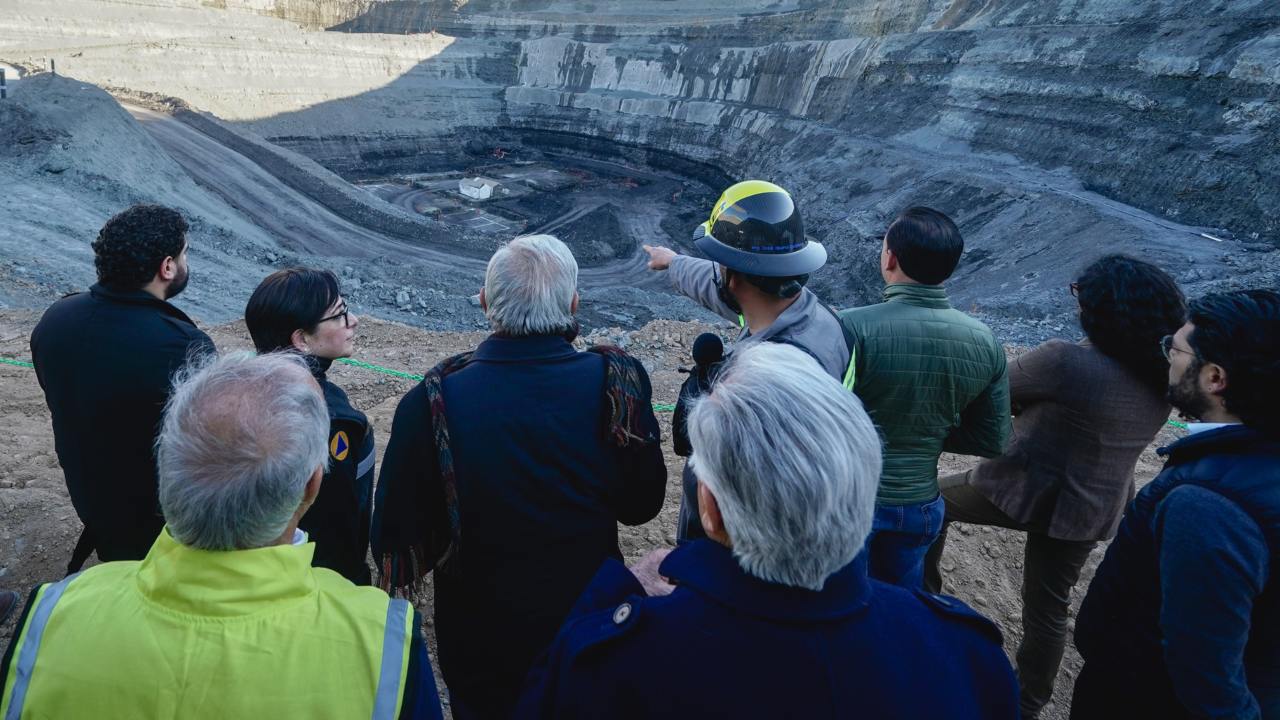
x: 659, y: 257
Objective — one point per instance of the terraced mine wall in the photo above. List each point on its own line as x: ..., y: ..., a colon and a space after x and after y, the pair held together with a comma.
x: 1053, y: 130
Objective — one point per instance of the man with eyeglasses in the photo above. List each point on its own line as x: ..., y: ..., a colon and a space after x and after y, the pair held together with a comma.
x: 1183, y: 617
x: 104, y: 359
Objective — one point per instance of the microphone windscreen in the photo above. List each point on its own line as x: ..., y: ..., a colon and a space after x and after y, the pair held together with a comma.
x: 708, y: 348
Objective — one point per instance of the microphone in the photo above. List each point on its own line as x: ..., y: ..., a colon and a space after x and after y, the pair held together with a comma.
x: 708, y: 349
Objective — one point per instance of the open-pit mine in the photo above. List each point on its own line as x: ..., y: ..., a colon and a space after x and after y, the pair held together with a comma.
x: 398, y: 142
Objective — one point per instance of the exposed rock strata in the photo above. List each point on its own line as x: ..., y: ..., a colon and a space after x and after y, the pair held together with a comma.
x: 1055, y: 130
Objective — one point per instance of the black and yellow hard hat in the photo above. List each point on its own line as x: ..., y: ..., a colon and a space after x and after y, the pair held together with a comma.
x: 755, y: 228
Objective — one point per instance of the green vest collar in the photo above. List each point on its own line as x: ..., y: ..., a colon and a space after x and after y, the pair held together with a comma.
x: 225, y: 584
x: 930, y: 296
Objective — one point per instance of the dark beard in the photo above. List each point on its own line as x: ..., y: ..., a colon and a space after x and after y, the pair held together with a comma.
x: 178, y: 285
x: 1185, y: 394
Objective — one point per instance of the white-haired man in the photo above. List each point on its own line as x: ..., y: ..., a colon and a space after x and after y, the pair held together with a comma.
x: 508, y: 470
x: 225, y: 617
x: 773, y: 614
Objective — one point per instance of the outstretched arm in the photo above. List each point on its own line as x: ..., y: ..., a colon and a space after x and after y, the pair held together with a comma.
x: 691, y: 277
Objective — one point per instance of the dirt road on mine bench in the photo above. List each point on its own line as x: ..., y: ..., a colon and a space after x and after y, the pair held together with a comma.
x: 305, y: 226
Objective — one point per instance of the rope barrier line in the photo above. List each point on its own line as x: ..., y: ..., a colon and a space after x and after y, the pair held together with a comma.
x: 657, y: 407
x: 379, y: 368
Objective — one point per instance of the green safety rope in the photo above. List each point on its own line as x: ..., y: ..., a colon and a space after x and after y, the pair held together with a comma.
x: 19, y: 363
x: 379, y: 368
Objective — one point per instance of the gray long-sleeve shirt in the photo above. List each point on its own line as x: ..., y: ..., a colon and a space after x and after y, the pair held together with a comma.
x: 806, y: 323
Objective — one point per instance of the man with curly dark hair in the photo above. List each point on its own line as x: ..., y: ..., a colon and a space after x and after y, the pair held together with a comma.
x: 1084, y: 412
x: 104, y: 359
x: 1183, y: 617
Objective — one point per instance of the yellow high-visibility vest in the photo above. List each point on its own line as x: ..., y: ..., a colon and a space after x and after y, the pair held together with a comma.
x: 189, y: 633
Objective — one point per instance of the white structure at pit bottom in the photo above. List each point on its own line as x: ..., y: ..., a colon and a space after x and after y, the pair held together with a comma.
x: 477, y: 188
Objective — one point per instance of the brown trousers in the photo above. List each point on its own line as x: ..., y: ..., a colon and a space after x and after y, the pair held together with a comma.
x: 1051, y: 569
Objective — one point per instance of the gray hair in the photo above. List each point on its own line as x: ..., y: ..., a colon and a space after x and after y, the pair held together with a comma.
x: 793, y: 462
x: 529, y: 287
x: 241, y: 436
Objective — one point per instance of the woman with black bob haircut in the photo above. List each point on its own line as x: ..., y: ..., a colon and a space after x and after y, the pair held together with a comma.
x: 302, y: 310
x: 1084, y: 411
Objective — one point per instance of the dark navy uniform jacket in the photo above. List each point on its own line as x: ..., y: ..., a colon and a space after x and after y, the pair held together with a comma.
x: 726, y: 644
x: 541, y: 490
x: 104, y: 359
x: 338, y: 522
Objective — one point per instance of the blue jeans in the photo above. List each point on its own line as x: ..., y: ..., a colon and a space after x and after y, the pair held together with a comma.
x: 900, y: 538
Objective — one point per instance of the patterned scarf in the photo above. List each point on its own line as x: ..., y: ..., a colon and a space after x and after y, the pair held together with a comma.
x: 403, y: 565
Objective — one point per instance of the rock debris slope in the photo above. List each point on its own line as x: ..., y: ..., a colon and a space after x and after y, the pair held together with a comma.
x: 70, y: 157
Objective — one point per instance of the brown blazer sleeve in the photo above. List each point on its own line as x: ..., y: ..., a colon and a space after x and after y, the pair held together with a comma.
x: 1038, y: 375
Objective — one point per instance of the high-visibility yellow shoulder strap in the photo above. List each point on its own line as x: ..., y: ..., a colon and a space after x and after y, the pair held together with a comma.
x: 851, y: 373
x: 393, y: 673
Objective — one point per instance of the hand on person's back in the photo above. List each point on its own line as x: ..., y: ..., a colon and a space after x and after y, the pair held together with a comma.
x: 646, y: 571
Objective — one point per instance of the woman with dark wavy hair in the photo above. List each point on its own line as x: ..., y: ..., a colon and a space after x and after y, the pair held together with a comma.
x: 1084, y: 412
x: 301, y: 310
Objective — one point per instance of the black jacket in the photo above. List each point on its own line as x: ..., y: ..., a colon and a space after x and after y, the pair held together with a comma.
x: 338, y: 522
x: 104, y: 359
x: 541, y: 490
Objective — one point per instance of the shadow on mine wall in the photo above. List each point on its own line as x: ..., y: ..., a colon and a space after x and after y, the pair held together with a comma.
x: 1169, y: 108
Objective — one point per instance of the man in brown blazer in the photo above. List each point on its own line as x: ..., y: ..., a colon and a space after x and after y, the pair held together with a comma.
x: 1084, y: 412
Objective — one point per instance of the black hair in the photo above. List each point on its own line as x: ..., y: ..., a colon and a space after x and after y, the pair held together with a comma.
x: 1240, y: 332
x: 927, y: 244
x: 779, y: 287
x: 288, y: 300
x: 130, y: 247
x: 1126, y: 306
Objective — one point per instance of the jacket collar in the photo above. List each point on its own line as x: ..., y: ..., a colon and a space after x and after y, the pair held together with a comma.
x: 1229, y: 439
x: 710, y: 569
x: 137, y: 297
x: 498, y: 348
x: 225, y: 584
x: 319, y: 367
x: 930, y: 296
x: 796, y: 313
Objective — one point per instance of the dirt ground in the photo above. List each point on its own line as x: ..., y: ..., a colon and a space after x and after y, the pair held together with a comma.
x: 38, y: 526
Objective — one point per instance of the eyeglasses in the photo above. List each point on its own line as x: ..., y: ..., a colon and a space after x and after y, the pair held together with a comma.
x: 1167, y: 346
x: 342, y: 313
x: 1075, y: 289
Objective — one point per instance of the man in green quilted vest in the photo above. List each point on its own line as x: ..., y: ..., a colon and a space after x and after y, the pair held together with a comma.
x: 932, y: 378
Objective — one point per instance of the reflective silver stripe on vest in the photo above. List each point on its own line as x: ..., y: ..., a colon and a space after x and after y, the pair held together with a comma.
x: 27, y: 656
x: 384, y: 702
